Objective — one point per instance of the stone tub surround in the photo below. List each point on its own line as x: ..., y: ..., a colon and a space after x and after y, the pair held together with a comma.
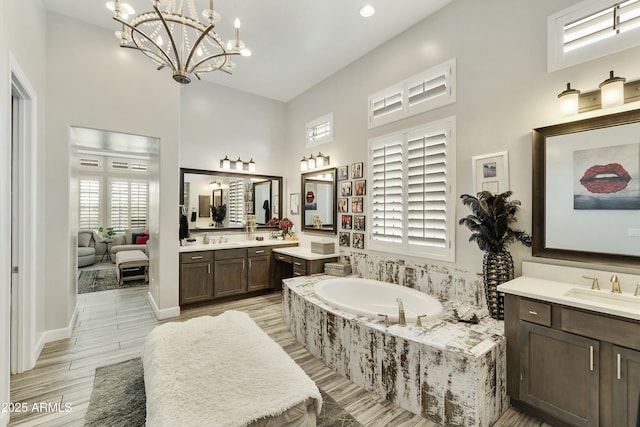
x: 444, y: 283
x: 449, y: 372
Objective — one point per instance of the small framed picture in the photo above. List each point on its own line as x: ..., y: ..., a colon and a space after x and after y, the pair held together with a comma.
x: 343, y: 172
x: 356, y: 170
x: 294, y: 203
x: 359, y: 222
x: 360, y: 187
x: 343, y: 205
x: 345, y: 188
x: 344, y: 239
x: 357, y: 205
x: 358, y: 240
x: 491, y: 172
x: 346, y: 222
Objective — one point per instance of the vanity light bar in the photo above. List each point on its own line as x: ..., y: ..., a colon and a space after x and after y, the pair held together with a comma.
x: 310, y: 163
x: 237, y: 165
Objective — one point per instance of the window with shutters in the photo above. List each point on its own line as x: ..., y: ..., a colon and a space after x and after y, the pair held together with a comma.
x: 426, y: 91
x: 320, y: 130
x: 129, y: 204
x: 89, y: 204
x: 591, y: 29
x: 412, y: 192
x: 235, y: 210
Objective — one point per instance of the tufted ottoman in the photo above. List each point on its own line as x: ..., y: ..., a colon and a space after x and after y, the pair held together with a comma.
x: 135, y: 262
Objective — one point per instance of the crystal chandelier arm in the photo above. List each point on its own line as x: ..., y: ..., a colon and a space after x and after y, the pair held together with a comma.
x: 203, y: 60
x: 169, y: 62
x: 194, y: 48
x: 173, y: 43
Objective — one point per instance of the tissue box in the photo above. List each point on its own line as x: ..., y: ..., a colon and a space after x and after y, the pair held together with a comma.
x: 323, y: 248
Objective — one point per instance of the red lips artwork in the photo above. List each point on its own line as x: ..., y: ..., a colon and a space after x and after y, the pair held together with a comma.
x: 605, y: 179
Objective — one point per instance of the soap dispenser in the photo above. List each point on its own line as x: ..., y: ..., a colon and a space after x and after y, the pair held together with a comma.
x: 205, y: 239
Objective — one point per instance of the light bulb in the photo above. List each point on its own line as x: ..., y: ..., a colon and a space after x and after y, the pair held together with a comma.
x: 367, y: 11
x: 612, y: 91
x: 569, y: 100
x: 236, y: 23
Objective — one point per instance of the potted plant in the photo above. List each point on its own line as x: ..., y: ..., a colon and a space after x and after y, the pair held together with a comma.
x: 218, y: 213
x: 108, y: 233
x: 491, y: 225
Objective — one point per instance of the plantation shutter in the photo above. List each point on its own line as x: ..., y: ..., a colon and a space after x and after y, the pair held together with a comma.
x: 236, y: 202
x: 119, y: 205
x: 139, y: 205
x: 382, y: 105
x: 427, y: 190
x: 89, y: 216
x: 386, y: 191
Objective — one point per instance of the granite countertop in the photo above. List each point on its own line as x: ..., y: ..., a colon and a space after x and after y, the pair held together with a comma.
x: 304, y: 253
x: 235, y: 244
x: 602, y: 301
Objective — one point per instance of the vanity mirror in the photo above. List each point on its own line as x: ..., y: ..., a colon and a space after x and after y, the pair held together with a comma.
x: 216, y: 200
x: 319, y: 201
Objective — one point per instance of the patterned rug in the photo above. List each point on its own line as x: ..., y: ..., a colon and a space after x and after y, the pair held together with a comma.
x: 103, y: 280
x: 118, y: 399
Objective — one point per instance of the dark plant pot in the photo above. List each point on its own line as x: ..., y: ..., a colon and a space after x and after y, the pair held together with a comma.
x: 497, y: 268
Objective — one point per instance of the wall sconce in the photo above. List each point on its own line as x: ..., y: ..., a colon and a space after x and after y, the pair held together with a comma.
x: 238, y: 165
x: 312, y: 162
x: 613, y: 92
x: 215, y: 185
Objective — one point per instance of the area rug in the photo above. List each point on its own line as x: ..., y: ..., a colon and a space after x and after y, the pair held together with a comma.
x: 103, y: 280
x: 118, y: 399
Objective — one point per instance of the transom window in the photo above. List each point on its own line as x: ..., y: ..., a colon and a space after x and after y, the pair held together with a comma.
x: 320, y: 130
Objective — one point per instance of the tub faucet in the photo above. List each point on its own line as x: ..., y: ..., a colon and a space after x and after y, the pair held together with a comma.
x: 401, y: 319
x: 615, y: 284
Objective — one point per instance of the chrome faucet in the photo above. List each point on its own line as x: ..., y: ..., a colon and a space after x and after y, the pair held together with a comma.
x: 402, y: 321
x: 615, y: 284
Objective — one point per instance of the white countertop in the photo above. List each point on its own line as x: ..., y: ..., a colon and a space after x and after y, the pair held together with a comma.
x: 235, y: 244
x: 602, y: 301
x: 304, y: 253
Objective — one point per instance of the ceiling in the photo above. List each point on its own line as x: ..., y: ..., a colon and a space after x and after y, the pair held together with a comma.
x: 295, y: 43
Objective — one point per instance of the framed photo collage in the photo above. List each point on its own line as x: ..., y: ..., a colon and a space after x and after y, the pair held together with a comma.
x: 352, y: 189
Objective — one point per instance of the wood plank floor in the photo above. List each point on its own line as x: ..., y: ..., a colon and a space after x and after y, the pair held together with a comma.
x: 111, y: 327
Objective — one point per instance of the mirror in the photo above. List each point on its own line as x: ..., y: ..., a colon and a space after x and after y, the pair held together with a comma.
x: 216, y: 200
x: 319, y: 201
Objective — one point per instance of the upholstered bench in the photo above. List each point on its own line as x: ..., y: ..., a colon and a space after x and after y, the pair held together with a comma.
x: 224, y: 371
x: 131, y: 261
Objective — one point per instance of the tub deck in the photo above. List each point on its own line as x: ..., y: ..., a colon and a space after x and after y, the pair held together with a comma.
x: 450, y: 372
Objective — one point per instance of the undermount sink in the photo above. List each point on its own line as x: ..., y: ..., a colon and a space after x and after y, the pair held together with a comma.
x: 605, y: 297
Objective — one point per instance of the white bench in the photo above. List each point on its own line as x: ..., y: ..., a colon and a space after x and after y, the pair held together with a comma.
x: 127, y: 260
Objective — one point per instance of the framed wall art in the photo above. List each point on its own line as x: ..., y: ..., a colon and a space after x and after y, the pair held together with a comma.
x: 294, y: 203
x: 586, y: 191
x: 491, y: 172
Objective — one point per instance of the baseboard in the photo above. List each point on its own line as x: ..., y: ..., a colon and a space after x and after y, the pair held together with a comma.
x: 54, y: 335
x: 167, y: 313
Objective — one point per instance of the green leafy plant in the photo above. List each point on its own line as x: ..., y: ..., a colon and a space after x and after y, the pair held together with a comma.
x: 491, y: 221
x: 107, y: 233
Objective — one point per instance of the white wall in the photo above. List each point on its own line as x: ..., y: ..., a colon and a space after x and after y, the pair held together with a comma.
x: 218, y: 121
x: 503, y: 92
x: 93, y: 83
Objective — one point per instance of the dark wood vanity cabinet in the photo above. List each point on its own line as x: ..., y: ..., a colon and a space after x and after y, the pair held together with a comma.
x: 230, y: 272
x: 570, y: 366
x: 196, y: 277
x: 259, y: 273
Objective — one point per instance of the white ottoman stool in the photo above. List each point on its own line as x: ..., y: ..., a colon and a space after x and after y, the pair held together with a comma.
x: 130, y: 261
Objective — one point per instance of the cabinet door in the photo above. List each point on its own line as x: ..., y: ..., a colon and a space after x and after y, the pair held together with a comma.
x: 230, y: 277
x: 259, y: 274
x: 626, y: 386
x: 196, y: 282
x: 559, y: 374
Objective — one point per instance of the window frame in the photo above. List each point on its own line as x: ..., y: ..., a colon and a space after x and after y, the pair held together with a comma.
x: 558, y: 59
x: 327, y: 118
x: 404, y: 247
x: 109, y: 195
x: 100, y: 198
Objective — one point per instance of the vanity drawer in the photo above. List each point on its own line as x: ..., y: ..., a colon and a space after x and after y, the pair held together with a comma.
x: 191, y: 257
x: 535, y: 312
x: 605, y: 328
x: 260, y: 251
x: 300, y: 265
x: 283, y: 258
x: 221, y: 254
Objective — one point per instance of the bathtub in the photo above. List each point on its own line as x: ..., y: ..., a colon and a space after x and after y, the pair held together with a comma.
x: 370, y: 298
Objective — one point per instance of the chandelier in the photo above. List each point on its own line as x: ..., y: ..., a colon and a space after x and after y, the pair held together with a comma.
x: 175, y: 38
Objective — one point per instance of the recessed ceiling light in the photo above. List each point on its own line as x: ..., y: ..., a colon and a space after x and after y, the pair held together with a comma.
x: 367, y: 11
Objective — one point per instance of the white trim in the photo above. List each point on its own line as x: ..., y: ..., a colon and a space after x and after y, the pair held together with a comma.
x: 327, y: 118
x: 29, y: 226
x: 558, y: 59
x: 167, y: 313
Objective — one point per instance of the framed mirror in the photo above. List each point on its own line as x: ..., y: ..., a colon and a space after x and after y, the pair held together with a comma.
x: 318, y: 201
x: 586, y: 190
x: 217, y: 200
